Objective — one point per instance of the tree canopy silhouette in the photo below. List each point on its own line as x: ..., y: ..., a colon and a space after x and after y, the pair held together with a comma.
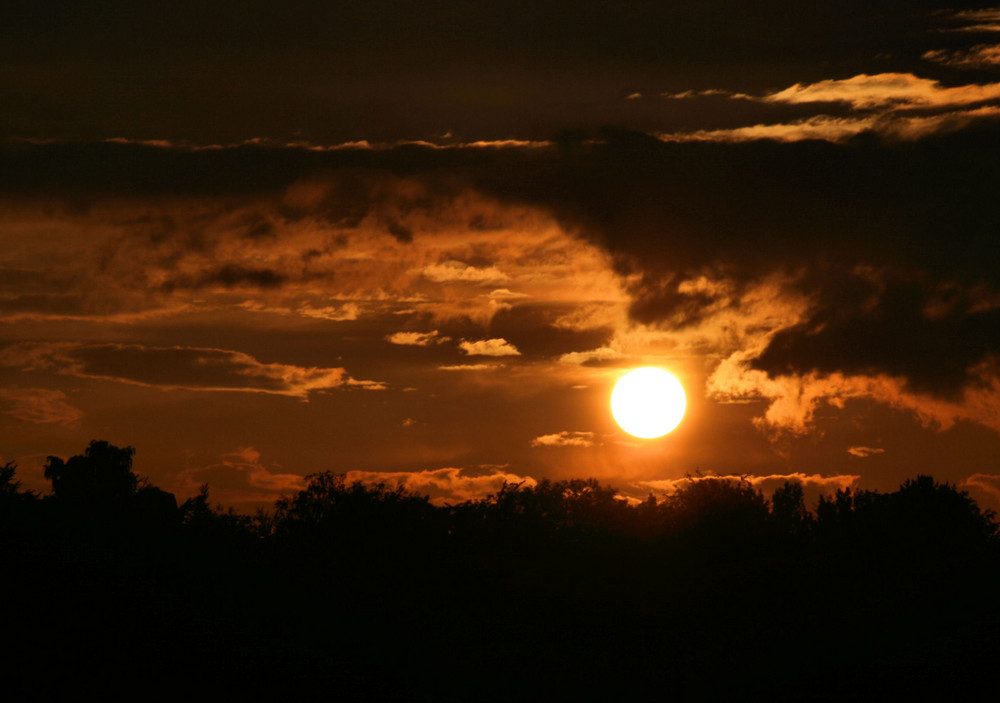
x: 692, y: 594
x: 101, y: 475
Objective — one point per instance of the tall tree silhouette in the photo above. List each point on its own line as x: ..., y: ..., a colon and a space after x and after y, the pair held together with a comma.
x: 101, y: 475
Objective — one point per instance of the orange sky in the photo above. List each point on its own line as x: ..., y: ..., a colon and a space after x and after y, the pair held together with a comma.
x: 811, y: 251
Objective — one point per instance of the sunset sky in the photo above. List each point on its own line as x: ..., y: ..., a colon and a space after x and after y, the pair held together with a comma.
x: 420, y: 242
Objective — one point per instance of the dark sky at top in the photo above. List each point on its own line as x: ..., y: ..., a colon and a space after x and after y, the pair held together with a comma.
x: 221, y: 72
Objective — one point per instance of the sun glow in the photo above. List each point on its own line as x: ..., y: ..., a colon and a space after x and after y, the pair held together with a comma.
x: 648, y: 402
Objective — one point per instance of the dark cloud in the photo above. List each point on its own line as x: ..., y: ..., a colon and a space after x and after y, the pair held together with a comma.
x: 231, y: 276
x: 920, y: 213
x: 530, y: 328
x: 259, y: 227
x: 902, y: 329
x: 400, y: 231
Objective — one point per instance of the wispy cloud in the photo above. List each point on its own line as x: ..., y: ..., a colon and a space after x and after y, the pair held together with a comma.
x: 470, y: 367
x: 583, y: 357
x: 39, y: 405
x: 983, y: 20
x: 450, y: 271
x: 883, y: 90
x: 176, y: 368
x: 489, y: 347
x: 416, y: 339
x: 880, y: 90
x: 986, y: 486
x: 564, y: 439
x: 978, y: 56
x: 862, y: 452
x: 708, y: 93
x: 840, y: 129
x: 887, y: 103
x: 238, y: 478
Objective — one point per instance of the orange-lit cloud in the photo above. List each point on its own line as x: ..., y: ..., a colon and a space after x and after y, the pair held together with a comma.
x: 470, y: 367
x: 978, y: 56
x: 795, y: 399
x: 448, y: 485
x: 417, y: 339
x: 489, y: 347
x: 985, y: 488
x: 976, y: 21
x: 457, y: 271
x: 886, y: 101
x: 39, y: 405
x: 881, y: 90
x: 839, y: 129
x: 599, y: 354
x: 886, y: 90
x: 862, y: 452
x: 325, y: 248
x: 239, y: 478
x: 564, y: 439
x: 710, y: 92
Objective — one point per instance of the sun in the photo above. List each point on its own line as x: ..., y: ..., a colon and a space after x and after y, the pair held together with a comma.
x: 648, y: 402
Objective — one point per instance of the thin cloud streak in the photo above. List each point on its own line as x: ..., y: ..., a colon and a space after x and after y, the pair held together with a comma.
x: 178, y: 368
x: 863, y: 452
x: 864, y: 92
x: 564, y: 439
x: 979, y: 56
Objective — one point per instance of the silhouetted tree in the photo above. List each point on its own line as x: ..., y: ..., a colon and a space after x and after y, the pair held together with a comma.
x: 836, y: 510
x: 788, y: 507
x: 101, y: 475
x: 574, y: 504
x: 939, y: 511
x: 200, y: 518
x: 17, y: 507
x: 329, y: 506
x: 717, y: 502
x: 563, y: 580
x: 9, y: 486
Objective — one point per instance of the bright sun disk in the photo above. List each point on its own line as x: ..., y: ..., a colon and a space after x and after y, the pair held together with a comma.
x: 648, y: 402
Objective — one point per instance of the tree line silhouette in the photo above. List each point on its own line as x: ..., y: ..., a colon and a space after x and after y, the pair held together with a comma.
x: 543, y: 592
